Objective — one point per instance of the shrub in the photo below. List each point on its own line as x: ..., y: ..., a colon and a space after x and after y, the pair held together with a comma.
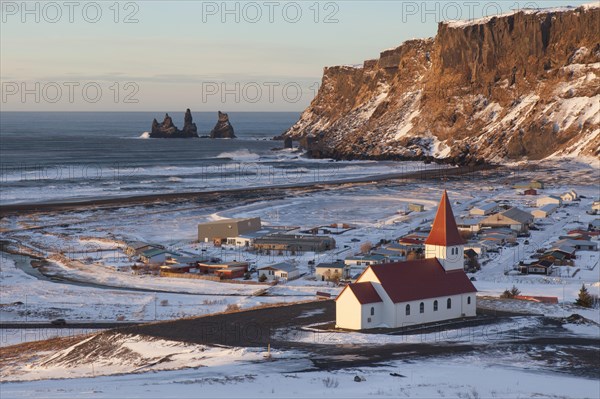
x: 508, y: 294
x: 330, y: 382
x: 262, y: 278
x: 232, y: 307
x: 584, y: 299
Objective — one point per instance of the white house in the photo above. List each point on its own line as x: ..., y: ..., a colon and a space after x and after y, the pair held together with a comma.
x: 156, y: 256
x: 569, y: 196
x: 550, y: 199
x: 331, y: 271
x: 484, y: 209
x: 544, y: 211
x: 413, y: 292
x: 471, y: 225
x: 279, y: 271
x: 358, y: 263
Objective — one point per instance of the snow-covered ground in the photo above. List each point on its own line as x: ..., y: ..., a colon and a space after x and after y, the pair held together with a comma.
x: 376, y: 210
x: 240, y: 373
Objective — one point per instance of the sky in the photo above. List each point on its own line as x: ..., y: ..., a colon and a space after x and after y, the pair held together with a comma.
x: 205, y: 55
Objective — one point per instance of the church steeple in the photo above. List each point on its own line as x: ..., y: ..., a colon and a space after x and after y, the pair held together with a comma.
x: 444, y: 241
x: 444, y: 231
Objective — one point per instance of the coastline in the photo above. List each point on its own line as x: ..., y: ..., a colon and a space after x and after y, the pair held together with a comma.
x: 215, y: 195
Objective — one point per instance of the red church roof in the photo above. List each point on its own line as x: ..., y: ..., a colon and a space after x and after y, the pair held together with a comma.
x: 444, y: 231
x: 365, y: 292
x: 420, y: 279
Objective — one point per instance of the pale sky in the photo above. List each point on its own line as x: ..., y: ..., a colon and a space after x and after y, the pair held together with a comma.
x: 205, y: 55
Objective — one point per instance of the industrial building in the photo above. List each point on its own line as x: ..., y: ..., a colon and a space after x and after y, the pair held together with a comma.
x: 219, y: 231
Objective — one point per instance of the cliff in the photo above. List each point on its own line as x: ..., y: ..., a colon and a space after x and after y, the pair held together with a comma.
x: 518, y: 86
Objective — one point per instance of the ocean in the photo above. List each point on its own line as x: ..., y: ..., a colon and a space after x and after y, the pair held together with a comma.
x: 59, y: 157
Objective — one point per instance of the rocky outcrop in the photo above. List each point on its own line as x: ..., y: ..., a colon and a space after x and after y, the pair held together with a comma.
x: 223, y: 128
x: 519, y: 86
x: 189, y: 127
x: 167, y: 129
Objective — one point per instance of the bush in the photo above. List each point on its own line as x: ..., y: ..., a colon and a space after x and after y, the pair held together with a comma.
x: 365, y: 248
x: 232, y: 307
x: 262, y: 278
x: 584, y: 299
x: 330, y: 382
x: 508, y: 294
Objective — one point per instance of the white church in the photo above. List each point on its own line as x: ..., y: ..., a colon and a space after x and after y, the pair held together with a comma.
x: 413, y: 292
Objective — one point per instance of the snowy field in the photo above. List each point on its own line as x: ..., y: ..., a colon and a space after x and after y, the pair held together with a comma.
x: 233, y: 372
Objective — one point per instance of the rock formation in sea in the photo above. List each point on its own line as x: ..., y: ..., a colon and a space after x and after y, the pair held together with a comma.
x: 167, y: 128
x: 189, y: 127
x: 223, y: 128
x: 513, y: 87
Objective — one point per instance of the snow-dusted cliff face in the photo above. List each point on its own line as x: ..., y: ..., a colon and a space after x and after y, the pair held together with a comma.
x: 519, y: 86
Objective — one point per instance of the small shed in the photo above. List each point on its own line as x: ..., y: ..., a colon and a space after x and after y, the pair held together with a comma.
x: 416, y: 207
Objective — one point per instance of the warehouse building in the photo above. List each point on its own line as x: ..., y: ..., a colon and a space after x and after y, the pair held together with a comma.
x: 218, y: 231
x: 294, y: 243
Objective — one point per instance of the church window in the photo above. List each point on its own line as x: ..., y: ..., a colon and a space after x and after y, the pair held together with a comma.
x: 435, y: 306
x: 422, y: 308
x: 373, y: 310
x: 408, y: 310
x: 468, y: 300
x: 449, y: 303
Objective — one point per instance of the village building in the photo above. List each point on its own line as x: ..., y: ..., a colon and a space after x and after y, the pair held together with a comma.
x: 549, y: 199
x: 594, y: 225
x: 294, y: 243
x: 536, y: 184
x: 247, y: 239
x: 358, y: 263
x: 544, y: 211
x: 470, y: 225
x: 484, y: 209
x: 279, y: 271
x: 331, y: 271
x: 479, y: 248
x: 514, y: 218
x: 569, y: 196
x: 389, y: 254
x: 220, y: 230
x: 416, y: 207
x: 224, y: 270
x: 596, y: 207
x: 135, y: 248
x: 580, y: 245
x: 156, y: 256
x: 530, y: 191
x: 539, y: 267
x: 413, y: 292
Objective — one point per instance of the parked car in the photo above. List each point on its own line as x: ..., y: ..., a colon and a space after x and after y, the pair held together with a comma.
x: 59, y: 322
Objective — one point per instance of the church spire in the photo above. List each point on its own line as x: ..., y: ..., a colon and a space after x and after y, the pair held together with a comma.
x: 444, y: 231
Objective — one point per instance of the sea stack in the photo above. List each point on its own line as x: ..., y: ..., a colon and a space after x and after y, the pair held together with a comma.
x: 189, y: 127
x: 167, y: 129
x: 223, y: 129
